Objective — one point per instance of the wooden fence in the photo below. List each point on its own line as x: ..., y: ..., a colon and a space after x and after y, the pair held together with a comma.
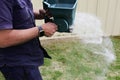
x: 108, y: 11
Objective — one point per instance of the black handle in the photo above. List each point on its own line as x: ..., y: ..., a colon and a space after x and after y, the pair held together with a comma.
x: 47, y: 19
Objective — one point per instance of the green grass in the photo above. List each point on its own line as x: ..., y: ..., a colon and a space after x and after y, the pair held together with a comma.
x: 73, y: 61
x: 114, y: 73
x: 1, y: 77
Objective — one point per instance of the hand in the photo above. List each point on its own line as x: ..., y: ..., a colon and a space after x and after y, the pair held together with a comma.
x: 48, y: 14
x: 49, y: 28
x: 39, y: 14
x: 42, y: 13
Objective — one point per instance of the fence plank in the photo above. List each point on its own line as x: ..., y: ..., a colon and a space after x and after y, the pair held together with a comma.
x: 37, y: 4
x: 82, y: 5
x: 92, y: 6
x: 116, y: 27
x: 110, y: 20
x: 102, y: 11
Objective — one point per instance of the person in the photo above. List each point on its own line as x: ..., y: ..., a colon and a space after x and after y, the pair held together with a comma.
x: 20, y: 50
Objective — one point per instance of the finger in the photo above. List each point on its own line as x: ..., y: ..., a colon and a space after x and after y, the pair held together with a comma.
x: 42, y: 11
x: 48, y: 14
x: 55, y: 26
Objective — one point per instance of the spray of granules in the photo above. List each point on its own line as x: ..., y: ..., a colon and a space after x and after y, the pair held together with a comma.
x: 88, y: 28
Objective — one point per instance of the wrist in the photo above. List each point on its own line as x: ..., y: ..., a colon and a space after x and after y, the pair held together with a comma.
x: 40, y: 31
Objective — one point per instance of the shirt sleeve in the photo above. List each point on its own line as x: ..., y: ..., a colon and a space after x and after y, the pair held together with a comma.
x: 5, y: 15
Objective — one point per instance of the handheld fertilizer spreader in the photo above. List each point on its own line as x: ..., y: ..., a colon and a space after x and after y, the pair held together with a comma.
x: 63, y: 12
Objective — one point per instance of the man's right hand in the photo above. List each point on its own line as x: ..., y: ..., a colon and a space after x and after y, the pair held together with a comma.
x: 49, y: 28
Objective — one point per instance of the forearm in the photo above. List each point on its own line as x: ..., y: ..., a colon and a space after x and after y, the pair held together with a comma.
x: 15, y: 37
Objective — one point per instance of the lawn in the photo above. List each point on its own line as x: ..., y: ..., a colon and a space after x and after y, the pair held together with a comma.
x: 72, y: 61
x: 114, y: 73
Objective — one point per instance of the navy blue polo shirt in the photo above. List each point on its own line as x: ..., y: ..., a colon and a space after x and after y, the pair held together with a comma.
x: 18, y: 14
